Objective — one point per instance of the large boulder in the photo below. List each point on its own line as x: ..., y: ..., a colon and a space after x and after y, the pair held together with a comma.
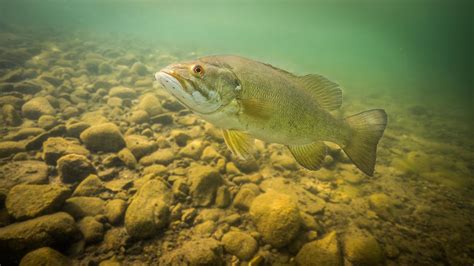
x: 45, y: 256
x: 37, y: 107
x: 204, y: 183
x: 28, y: 201
x: 55, y: 147
x: 47, y: 230
x: 325, y: 251
x: 240, y: 244
x: 277, y: 218
x: 74, y: 168
x: 149, y: 210
x: 103, y: 137
x: 361, y: 248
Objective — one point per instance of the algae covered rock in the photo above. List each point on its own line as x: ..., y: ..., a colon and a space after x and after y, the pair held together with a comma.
x: 103, y: 137
x: 74, y: 168
x: 206, y: 251
x: 91, y: 229
x: 29, y: 172
x: 37, y: 107
x: 45, y: 256
x: 150, y: 104
x: 204, y: 183
x: 140, y: 145
x: 244, y: 198
x: 276, y: 217
x: 361, y: 248
x: 90, y: 186
x: 80, y: 207
x: 55, y: 147
x: 122, y: 92
x: 8, y: 148
x: 161, y: 156
x: 149, y: 210
x: 240, y: 244
x: 47, y: 230
x: 115, y: 210
x: 28, y: 201
x: 325, y: 251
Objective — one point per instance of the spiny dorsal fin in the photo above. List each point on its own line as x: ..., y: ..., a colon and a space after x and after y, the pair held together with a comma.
x: 310, y: 156
x: 240, y: 143
x: 325, y: 92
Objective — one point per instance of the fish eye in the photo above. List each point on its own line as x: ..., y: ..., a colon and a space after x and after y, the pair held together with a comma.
x: 197, y: 69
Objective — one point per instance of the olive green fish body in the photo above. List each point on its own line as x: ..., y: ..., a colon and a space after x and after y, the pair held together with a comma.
x: 249, y: 99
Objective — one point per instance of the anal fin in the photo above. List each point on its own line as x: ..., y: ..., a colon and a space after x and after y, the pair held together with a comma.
x: 240, y: 143
x: 309, y: 156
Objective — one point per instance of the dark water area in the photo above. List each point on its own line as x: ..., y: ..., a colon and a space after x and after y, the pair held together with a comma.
x: 99, y: 165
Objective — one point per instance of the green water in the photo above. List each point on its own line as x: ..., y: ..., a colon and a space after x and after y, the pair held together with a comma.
x: 412, y: 58
x: 419, y: 48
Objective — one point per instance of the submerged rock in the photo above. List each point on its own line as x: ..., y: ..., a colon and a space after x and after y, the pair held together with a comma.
x: 244, y: 198
x: 150, y: 104
x: 56, y: 147
x: 10, y: 115
x: 47, y: 230
x: 240, y: 244
x: 29, y: 172
x: 103, y: 137
x: 80, y: 207
x: 45, y: 256
x: 140, y: 145
x: 90, y: 186
x: 276, y: 217
x: 28, y: 201
x: 149, y: 210
x: 91, y: 229
x: 325, y: 251
x: 194, y: 253
x: 37, y: 107
x: 74, y: 168
x: 361, y: 248
x: 115, y: 210
x: 204, y: 183
x: 122, y: 92
x: 8, y: 148
x: 162, y: 156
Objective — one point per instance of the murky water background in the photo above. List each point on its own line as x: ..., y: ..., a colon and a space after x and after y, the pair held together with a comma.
x: 412, y: 58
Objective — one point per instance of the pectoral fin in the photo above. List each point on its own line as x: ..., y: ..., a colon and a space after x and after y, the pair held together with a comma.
x: 310, y: 156
x: 257, y: 109
x: 240, y: 143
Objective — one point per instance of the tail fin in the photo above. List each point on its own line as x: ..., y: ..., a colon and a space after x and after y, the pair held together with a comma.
x: 368, y: 128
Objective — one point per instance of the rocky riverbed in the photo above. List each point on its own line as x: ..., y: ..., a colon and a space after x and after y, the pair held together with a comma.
x: 99, y: 166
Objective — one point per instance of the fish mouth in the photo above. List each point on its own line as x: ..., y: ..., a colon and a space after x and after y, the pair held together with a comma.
x: 173, y: 83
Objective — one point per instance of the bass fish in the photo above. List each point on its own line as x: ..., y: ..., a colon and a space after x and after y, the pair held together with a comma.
x: 249, y: 99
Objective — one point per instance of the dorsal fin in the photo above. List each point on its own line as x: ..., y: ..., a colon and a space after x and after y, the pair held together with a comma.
x: 325, y: 92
